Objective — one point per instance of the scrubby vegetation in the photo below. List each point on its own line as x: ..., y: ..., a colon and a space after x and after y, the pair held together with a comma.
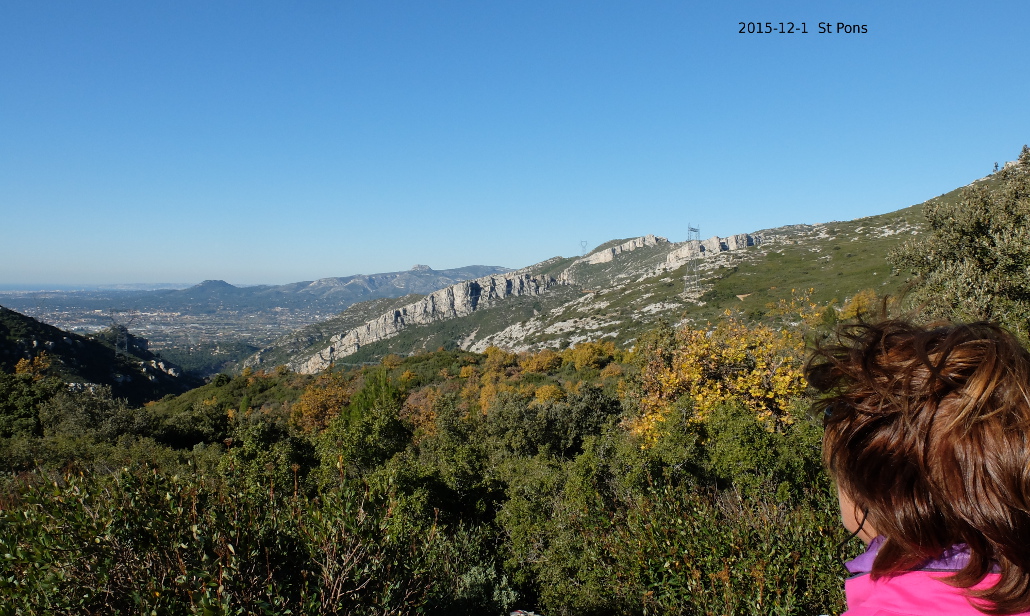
x: 680, y: 476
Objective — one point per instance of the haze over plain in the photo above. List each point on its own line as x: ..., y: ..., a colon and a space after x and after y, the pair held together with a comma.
x: 259, y: 143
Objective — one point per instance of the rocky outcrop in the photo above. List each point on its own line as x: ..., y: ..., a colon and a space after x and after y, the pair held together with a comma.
x: 606, y: 255
x: 462, y: 299
x: 740, y: 240
x: 694, y: 249
x: 455, y: 301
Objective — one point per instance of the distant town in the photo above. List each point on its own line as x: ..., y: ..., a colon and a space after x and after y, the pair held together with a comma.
x: 165, y: 328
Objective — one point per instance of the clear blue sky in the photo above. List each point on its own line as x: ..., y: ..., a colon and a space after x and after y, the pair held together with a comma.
x: 270, y: 142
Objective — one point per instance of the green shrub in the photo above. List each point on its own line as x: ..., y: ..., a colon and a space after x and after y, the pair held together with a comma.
x: 143, y: 542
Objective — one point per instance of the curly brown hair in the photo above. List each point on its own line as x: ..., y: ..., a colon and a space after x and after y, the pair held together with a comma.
x: 927, y: 430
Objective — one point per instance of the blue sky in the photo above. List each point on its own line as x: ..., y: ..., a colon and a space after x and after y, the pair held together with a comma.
x: 261, y: 142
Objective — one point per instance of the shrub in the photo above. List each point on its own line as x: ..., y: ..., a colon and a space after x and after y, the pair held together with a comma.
x: 143, y: 542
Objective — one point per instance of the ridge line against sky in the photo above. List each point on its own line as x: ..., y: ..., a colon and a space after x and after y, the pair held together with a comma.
x: 262, y: 143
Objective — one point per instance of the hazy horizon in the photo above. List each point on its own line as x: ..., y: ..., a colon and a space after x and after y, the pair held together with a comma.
x: 33, y: 287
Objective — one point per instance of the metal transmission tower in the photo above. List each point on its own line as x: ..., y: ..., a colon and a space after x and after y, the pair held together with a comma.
x: 40, y: 301
x: 691, y: 280
x: 583, y: 247
x: 191, y: 340
x: 120, y: 322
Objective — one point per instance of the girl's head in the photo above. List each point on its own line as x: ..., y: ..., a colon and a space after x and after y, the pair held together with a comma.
x: 928, y: 435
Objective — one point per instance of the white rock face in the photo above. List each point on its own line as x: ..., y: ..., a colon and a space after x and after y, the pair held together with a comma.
x: 694, y: 249
x: 606, y: 255
x: 457, y: 300
x: 712, y: 245
x: 160, y: 365
x: 738, y: 241
x: 689, y: 250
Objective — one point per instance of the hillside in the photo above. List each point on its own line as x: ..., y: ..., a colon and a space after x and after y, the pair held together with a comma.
x: 570, y: 482
x: 113, y: 357
x: 622, y: 289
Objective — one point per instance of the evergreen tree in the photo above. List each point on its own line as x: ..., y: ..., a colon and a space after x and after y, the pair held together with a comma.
x: 974, y: 264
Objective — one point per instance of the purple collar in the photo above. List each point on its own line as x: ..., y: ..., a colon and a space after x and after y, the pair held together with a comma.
x: 954, y: 558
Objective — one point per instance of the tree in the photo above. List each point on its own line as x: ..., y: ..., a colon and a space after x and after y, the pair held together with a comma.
x: 756, y: 366
x: 974, y: 264
x: 860, y: 305
x: 322, y: 401
x: 22, y: 393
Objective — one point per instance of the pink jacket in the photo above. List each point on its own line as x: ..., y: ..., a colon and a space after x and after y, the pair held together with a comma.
x: 914, y: 593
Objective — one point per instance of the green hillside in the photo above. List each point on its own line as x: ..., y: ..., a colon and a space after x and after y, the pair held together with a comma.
x: 113, y: 357
x: 620, y: 299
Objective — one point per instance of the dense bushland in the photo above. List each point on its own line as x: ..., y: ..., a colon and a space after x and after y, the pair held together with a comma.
x: 680, y: 477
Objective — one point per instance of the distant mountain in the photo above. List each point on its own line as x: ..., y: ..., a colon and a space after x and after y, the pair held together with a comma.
x: 215, y: 312
x: 332, y: 294
x: 326, y: 294
x: 113, y: 357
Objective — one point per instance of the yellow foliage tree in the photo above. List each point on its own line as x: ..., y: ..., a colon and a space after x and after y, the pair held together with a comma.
x: 861, y: 304
x: 548, y: 393
x: 497, y: 360
x: 592, y: 354
x: 491, y: 384
x: 36, y: 367
x: 321, y: 401
x: 543, y: 362
x: 487, y: 394
x: 799, y: 310
x: 755, y: 365
x: 408, y: 377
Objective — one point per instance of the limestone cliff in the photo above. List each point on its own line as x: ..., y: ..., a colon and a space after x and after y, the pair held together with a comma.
x: 457, y: 300
x: 607, y: 255
x: 694, y: 249
x: 462, y: 299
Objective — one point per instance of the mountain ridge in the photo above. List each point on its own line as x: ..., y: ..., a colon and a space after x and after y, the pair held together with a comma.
x: 462, y: 299
x: 624, y: 286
